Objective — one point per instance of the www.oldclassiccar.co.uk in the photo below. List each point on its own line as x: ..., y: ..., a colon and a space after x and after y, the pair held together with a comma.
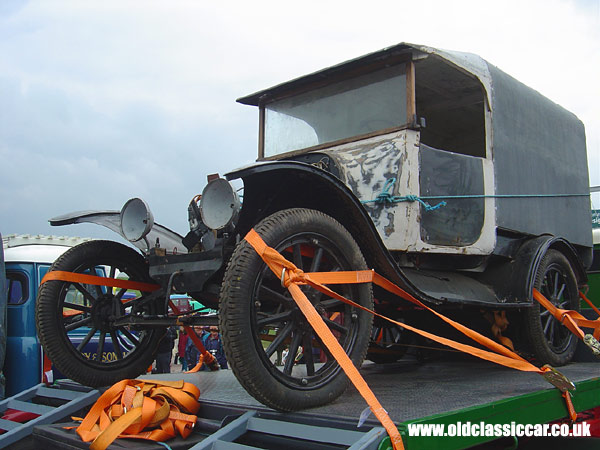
x: 499, y: 430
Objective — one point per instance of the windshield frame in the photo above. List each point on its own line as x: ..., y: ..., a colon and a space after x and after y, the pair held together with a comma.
x: 410, y: 122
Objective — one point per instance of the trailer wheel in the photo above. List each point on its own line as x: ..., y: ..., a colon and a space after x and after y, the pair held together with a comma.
x: 550, y: 341
x: 75, y: 321
x: 272, y: 349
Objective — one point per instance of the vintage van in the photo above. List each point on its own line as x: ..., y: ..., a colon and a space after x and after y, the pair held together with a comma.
x: 435, y: 168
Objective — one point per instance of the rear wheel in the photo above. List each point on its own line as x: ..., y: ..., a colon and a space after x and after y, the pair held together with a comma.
x: 388, y: 342
x: 273, y: 351
x: 550, y: 341
x: 76, y: 322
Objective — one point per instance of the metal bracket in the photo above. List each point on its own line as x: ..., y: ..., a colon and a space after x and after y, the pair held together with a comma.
x: 557, y: 379
x: 592, y: 343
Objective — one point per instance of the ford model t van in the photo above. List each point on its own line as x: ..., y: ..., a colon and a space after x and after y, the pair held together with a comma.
x: 434, y: 168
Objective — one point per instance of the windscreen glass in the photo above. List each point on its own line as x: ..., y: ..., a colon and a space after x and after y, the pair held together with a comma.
x: 352, y: 107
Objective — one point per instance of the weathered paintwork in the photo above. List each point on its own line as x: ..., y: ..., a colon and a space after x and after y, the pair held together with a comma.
x: 532, y: 153
x: 365, y: 166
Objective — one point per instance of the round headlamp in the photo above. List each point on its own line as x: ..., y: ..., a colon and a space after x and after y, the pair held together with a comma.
x: 220, y: 204
x: 136, y: 219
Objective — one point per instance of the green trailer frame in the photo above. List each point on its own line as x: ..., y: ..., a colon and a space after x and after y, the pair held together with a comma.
x: 545, y: 405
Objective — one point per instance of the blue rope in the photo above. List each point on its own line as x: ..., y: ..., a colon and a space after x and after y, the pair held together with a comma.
x: 163, y: 444
x: 386, y: 197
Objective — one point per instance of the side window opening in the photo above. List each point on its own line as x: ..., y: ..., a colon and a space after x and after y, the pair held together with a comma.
x: 452, y: 104
x: 18, y: 288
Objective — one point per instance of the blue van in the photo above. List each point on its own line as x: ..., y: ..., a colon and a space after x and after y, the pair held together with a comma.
x: 27, y: 259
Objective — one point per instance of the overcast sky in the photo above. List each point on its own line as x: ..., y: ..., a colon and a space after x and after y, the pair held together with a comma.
x: 101, y: 101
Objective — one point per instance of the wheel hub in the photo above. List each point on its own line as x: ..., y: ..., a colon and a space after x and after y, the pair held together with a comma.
x: 105, y: 310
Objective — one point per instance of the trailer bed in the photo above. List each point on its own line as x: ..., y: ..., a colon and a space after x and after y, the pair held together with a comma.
x: 449, y: 390
x: 408, y: 390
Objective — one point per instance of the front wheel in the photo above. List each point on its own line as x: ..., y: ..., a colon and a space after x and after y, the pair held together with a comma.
x: 550, y: 341
x: 76, y: 322
x: 273, y: 351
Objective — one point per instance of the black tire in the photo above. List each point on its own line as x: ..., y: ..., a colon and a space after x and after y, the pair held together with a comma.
x: 71, y: 317
x: 258, y: 317
x: 550, y: 341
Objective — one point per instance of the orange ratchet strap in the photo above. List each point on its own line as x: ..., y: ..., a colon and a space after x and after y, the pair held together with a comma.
x: 278, y: 263
x: 98, y: 281
x: 205, y: 355
x: 294, y: 275
x: 73, y: 277
x: 291, y: 277
x: 141, y: 409
x: 583, y: 297
x: 572, y: 319
x: 198, y: 365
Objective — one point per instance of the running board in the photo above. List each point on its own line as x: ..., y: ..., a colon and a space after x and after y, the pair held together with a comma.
x: 455, y: 288
x: 71, y: 397
x: 284, y: 433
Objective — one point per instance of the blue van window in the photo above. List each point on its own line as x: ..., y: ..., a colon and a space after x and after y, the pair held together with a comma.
x: 18, y: 288
x: 43, y: 270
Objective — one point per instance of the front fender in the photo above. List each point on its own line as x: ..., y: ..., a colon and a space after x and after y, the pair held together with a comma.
x: 168, y: 239
x: 273, y: 186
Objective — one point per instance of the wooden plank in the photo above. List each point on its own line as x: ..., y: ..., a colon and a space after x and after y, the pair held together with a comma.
x: 331, y: 144
x: 261, y: 132
x: 411, y: 102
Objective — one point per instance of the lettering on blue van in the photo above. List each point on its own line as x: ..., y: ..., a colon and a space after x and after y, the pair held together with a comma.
x: 106, y: 356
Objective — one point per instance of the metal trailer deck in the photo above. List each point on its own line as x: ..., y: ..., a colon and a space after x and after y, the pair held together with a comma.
x: 443, y: 391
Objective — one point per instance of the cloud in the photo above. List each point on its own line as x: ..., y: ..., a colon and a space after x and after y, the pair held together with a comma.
x: 102, y: 101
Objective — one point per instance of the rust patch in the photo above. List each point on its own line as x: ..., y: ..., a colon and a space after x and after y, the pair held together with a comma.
x: 389, y: 228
